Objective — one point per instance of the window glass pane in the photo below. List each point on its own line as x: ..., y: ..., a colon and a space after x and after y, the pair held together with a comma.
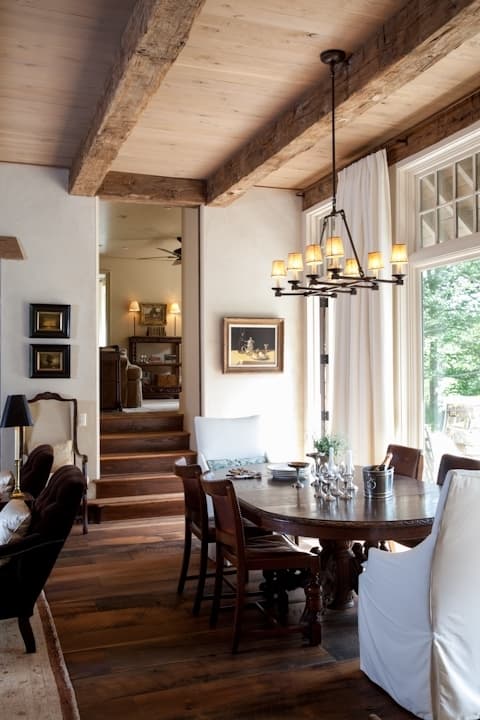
x: 427, y: 192
x: 465, y: 217
x: 446, y: 224
x: 427, y: 229
x: 445, y: 185
x: 451, y: 361
x: 464, y: 177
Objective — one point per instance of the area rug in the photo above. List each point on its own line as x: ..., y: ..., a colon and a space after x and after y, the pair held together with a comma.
x: 35, y: 686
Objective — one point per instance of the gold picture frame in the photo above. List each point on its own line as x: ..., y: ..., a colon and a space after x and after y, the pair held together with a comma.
x: 153, y: 314
x: 253, y: 344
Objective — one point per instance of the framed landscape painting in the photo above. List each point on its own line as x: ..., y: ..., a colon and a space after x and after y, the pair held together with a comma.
x: 153, y: 314
x: 49, y: 321
x: 253, y: 344
x: 49, y: 361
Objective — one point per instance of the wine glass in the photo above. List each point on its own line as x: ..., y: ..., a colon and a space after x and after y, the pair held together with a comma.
x: 298, y: 465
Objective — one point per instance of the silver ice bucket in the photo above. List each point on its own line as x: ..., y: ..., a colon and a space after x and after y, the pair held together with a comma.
x: 377, y: 483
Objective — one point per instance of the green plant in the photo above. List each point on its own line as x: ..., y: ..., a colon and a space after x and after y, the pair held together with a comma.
x: 324, y: 443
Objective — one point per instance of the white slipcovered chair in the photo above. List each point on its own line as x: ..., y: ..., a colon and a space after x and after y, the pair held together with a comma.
x: 229, y: 442
x: 418, y: 618
x: 55, y: 421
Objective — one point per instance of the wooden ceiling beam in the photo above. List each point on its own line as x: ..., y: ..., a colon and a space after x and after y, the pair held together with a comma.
x: 414, y: 39
x: 171, y: 192
x: 437, y: 127
x: 155, y: 34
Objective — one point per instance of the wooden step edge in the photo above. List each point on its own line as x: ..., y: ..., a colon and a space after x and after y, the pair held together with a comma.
x: 142, y: 434
x: 138, y: 455
x: 161, y: 498
x: 132, y: 477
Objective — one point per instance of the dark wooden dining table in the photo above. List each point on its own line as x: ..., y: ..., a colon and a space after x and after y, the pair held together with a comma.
x: 277, y: 505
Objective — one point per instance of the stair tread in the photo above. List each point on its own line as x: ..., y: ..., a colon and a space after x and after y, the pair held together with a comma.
x: 137, y: 499
x: 129, y: 477
x: 144, y: 434
x: 139, y: 454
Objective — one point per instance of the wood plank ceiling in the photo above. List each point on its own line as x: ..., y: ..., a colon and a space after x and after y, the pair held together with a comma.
x: 182, y: 102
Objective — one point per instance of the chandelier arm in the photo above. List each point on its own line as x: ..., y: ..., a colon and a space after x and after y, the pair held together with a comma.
x: 361, y: 271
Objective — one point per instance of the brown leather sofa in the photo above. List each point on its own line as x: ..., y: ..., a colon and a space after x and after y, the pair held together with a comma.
x: 120, y: 381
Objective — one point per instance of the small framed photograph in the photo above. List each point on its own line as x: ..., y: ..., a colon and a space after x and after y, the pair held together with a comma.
x: 153, y: 314
x: 253, y: 344
x: 49, y: 321
x: 49, y: 361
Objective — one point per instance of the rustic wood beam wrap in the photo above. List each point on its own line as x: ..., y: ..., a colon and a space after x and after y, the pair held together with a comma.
x: 154, y: 36
x: 10, y: 248
x: 129, y: 187
x: 414, y: 39
x: 446, y: 122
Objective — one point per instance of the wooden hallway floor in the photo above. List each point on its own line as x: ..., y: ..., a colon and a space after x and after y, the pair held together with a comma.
x: 134, y: 651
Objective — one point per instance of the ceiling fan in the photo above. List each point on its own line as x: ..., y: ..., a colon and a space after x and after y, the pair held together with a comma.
x: 175, y: 255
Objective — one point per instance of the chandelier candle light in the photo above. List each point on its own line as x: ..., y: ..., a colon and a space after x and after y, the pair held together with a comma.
x: 338, y: 277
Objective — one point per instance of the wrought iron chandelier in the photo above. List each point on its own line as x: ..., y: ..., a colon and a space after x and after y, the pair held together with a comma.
x: 338, y: 277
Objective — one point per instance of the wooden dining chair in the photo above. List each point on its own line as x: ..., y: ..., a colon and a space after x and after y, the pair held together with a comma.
x: 455, y: 462
x: 201, y: 523
x: 197, y: 523
x: 406, y: 460
x: 246, y: 553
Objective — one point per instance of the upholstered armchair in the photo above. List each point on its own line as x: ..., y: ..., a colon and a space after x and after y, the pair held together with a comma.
x: 120, y: 380
x: 27, y: 561
x: 418, y: 612
x: 55, y: 421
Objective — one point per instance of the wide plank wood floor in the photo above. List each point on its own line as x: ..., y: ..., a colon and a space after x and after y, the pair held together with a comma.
x: 134, y: 651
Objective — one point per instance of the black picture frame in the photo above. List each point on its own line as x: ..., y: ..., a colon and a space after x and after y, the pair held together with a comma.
x: 49, y: 361
x: 49, y: 321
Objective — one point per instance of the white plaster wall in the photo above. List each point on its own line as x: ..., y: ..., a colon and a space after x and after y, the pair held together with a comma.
x: 58, y: 235
x: 238, y: 245
x: 147, y: 281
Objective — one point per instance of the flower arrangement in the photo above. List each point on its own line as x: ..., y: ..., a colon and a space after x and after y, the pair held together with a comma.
x: 323, y: 444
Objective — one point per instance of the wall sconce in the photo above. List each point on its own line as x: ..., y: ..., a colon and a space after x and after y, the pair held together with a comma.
x: 175, y: 310
x: 134, y: 308
x: 16, y: 414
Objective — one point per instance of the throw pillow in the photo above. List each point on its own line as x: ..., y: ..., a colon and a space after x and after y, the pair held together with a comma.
x: 62, y: 455
x: 14, y: 522
x: 223, y: 463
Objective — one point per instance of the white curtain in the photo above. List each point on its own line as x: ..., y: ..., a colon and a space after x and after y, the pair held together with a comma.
x: 362, y: 407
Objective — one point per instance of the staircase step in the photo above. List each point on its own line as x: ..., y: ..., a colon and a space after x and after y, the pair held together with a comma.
x: 112, y: 422
x: 118, y: 464
x: 137, y: 442
x: 136, y: 506
x: 137, y: 484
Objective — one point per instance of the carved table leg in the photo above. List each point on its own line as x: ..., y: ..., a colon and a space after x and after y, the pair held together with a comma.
x: 310, y: 619
x: 338, y: 564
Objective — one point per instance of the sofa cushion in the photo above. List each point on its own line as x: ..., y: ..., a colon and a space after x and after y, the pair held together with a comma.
x: 14, y: 522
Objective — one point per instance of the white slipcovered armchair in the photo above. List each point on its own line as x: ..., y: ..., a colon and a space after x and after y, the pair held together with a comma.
x: 418, y: 617
x: 228, y: 442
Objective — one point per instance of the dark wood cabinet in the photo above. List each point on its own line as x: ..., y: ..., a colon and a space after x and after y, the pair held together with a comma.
x: 161, y: 363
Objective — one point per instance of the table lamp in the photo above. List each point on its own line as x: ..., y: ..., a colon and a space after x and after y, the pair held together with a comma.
x: 175, y: 310
x: 134, y: 308
x: 16, y: 414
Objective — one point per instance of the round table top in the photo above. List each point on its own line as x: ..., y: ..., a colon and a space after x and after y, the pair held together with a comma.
x: 276, y: 505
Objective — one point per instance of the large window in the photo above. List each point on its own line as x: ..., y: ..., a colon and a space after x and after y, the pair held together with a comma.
x: 451, y: 360
x: 438, y: 347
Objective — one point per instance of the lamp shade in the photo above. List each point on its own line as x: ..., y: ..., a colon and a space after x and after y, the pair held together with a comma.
x: 134, y: 306
x: 175, y: 308
x: 16, y: 412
